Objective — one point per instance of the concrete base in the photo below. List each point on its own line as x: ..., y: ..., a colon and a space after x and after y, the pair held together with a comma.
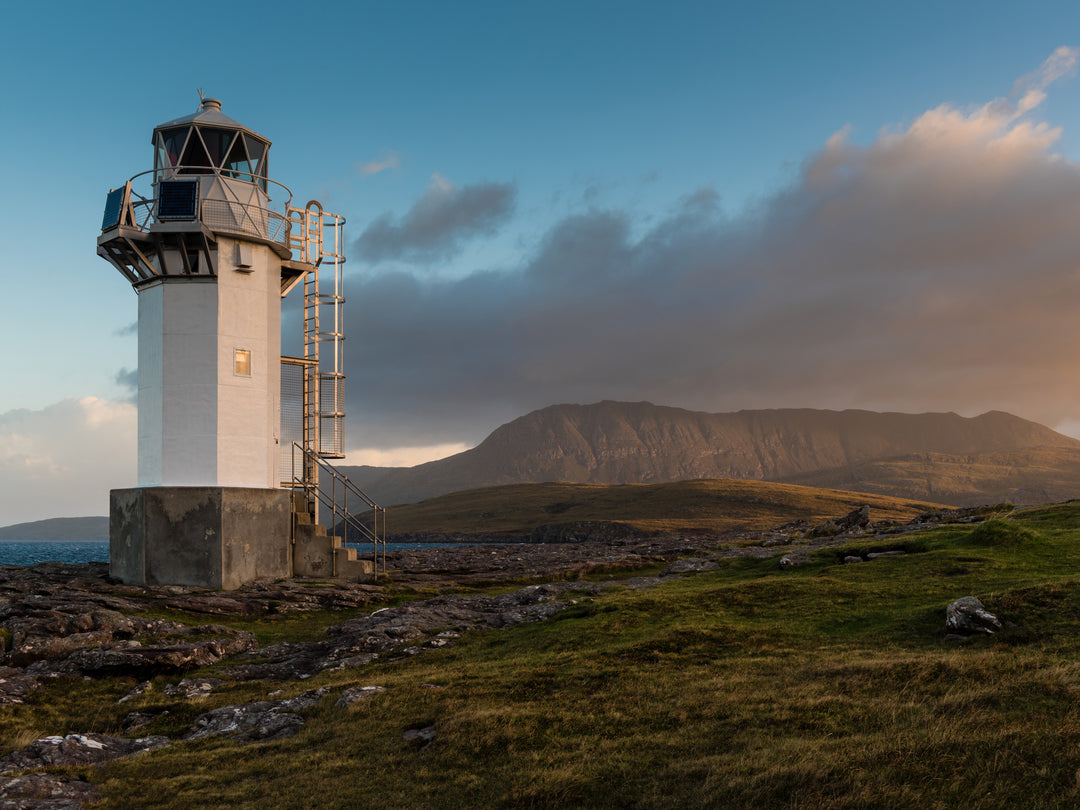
x: 209, y: 537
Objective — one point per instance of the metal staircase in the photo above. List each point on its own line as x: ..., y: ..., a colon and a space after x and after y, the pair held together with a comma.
x: 317, y: 237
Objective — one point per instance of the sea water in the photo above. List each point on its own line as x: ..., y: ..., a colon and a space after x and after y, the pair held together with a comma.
x: 28, y: 552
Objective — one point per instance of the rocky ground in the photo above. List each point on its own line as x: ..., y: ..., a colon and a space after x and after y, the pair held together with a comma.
x: 60, y: 621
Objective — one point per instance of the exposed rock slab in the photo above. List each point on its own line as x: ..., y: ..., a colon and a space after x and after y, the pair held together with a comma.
x: 263, y: 720
x: 362, y: 639
x: 76, y: 749
x: 46, y: 791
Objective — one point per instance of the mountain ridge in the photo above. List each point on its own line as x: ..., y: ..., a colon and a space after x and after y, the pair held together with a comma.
x: 64, y: 529
x: 622, y: 442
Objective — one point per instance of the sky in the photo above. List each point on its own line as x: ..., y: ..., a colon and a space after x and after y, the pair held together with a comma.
x: 715, y: 206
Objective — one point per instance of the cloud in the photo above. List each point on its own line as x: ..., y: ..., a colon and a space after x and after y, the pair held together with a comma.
x: 48, y: 456
x: 128, y: 378
x: 936, y: 268
x: 403, y: 456
x: 438, y: 223
x: 387, y: 160
x: 1031, y: 88
x: 126, y: 331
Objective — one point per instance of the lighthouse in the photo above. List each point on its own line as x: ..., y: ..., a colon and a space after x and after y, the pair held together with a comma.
x: 212, y: 245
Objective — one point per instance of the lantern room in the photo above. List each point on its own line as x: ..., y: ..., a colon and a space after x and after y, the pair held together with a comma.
x: 209, y: 142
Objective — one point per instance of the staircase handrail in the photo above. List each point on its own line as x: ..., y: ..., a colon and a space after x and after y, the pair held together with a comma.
x: 340, y: 510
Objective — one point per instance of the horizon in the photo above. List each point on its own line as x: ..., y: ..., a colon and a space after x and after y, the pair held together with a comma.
x: 718, y: 209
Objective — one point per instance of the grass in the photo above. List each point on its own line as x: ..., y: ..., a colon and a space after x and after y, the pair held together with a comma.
x: 706, y: 506
x: 824, y: 686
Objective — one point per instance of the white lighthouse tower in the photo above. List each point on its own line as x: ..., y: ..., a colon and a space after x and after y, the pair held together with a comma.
x: 212, y: 245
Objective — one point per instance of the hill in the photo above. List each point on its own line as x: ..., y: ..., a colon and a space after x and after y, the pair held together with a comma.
x: 631, y: 443
x: 77, y: 529
x: 683, y: 507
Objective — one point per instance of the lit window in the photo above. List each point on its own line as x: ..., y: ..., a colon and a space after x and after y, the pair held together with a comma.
x: 242, y: 362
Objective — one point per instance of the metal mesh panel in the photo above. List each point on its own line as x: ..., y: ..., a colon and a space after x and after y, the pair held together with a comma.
x: 292, y: 417
x: 331, y: 416
x: 235, y: 217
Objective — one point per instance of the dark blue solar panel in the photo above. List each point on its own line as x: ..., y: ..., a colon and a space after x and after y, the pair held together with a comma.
x: 113, y: 204
x: 178, y: 199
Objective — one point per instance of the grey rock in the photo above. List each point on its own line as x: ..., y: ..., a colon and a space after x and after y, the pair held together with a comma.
x: 423, y: 736
x: 127, y: 659
x: 76, y: 749
x: 851, y: 558
x: 873, y: 555
x: 193, y: 688
x: 140, y: 689
x: 689, y: 565
x: 46, y: 791
x: 15, y: 685
x: 136, y: 720
x: 404, y: 630
x: 967, y: 615
x: 792, y: 560
x: 357, y: 693
x: 853, y: 522
x: 263, y: 720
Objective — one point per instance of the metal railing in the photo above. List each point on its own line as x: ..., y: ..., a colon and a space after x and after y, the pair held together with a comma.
x: 269, y: 223
x: 336, y: 499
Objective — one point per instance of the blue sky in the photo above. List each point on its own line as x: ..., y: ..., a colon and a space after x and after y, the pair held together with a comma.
x: 554, y: 202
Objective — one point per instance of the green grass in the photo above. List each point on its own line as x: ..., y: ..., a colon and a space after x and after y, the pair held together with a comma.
x: 824, y: 686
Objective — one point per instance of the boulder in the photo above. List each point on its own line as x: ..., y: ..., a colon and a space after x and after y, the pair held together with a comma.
x: 792, y: 560
x: 968, y: 616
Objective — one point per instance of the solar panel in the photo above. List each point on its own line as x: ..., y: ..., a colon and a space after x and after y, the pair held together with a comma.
x: 178, y: 199
x: 114, y: 203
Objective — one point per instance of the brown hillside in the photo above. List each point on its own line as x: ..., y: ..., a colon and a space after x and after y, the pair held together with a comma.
x: 1034, y: 476
x: 622, y: 443
x: 685, y: 507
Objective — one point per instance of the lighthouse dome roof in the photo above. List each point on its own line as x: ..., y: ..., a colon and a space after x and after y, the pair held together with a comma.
x: 209, y: 114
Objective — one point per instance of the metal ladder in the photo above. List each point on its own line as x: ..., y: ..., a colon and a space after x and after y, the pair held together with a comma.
x: 318, y: 236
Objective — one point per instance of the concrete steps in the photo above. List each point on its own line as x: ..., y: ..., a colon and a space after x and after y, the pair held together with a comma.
x: 321, y: 555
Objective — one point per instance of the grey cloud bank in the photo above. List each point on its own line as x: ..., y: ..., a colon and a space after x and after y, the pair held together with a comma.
x: 937, y: 268
x: 437, y: 223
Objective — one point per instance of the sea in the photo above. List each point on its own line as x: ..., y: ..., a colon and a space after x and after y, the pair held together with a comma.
x: 29, y: 552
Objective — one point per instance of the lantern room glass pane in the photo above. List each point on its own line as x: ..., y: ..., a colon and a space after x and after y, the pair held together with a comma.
x: 257, y: 151
x: 195, y: 159
x: 217, y: 144
x: 161, y: 158
x: 173, y: 140
x: 237, y: 164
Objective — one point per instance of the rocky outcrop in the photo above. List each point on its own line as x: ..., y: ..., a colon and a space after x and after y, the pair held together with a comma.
x: 855, y: 521
x: 76, y: 749
x: 46, y: 791
x: 262, y: 720
x: 404, y: 630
